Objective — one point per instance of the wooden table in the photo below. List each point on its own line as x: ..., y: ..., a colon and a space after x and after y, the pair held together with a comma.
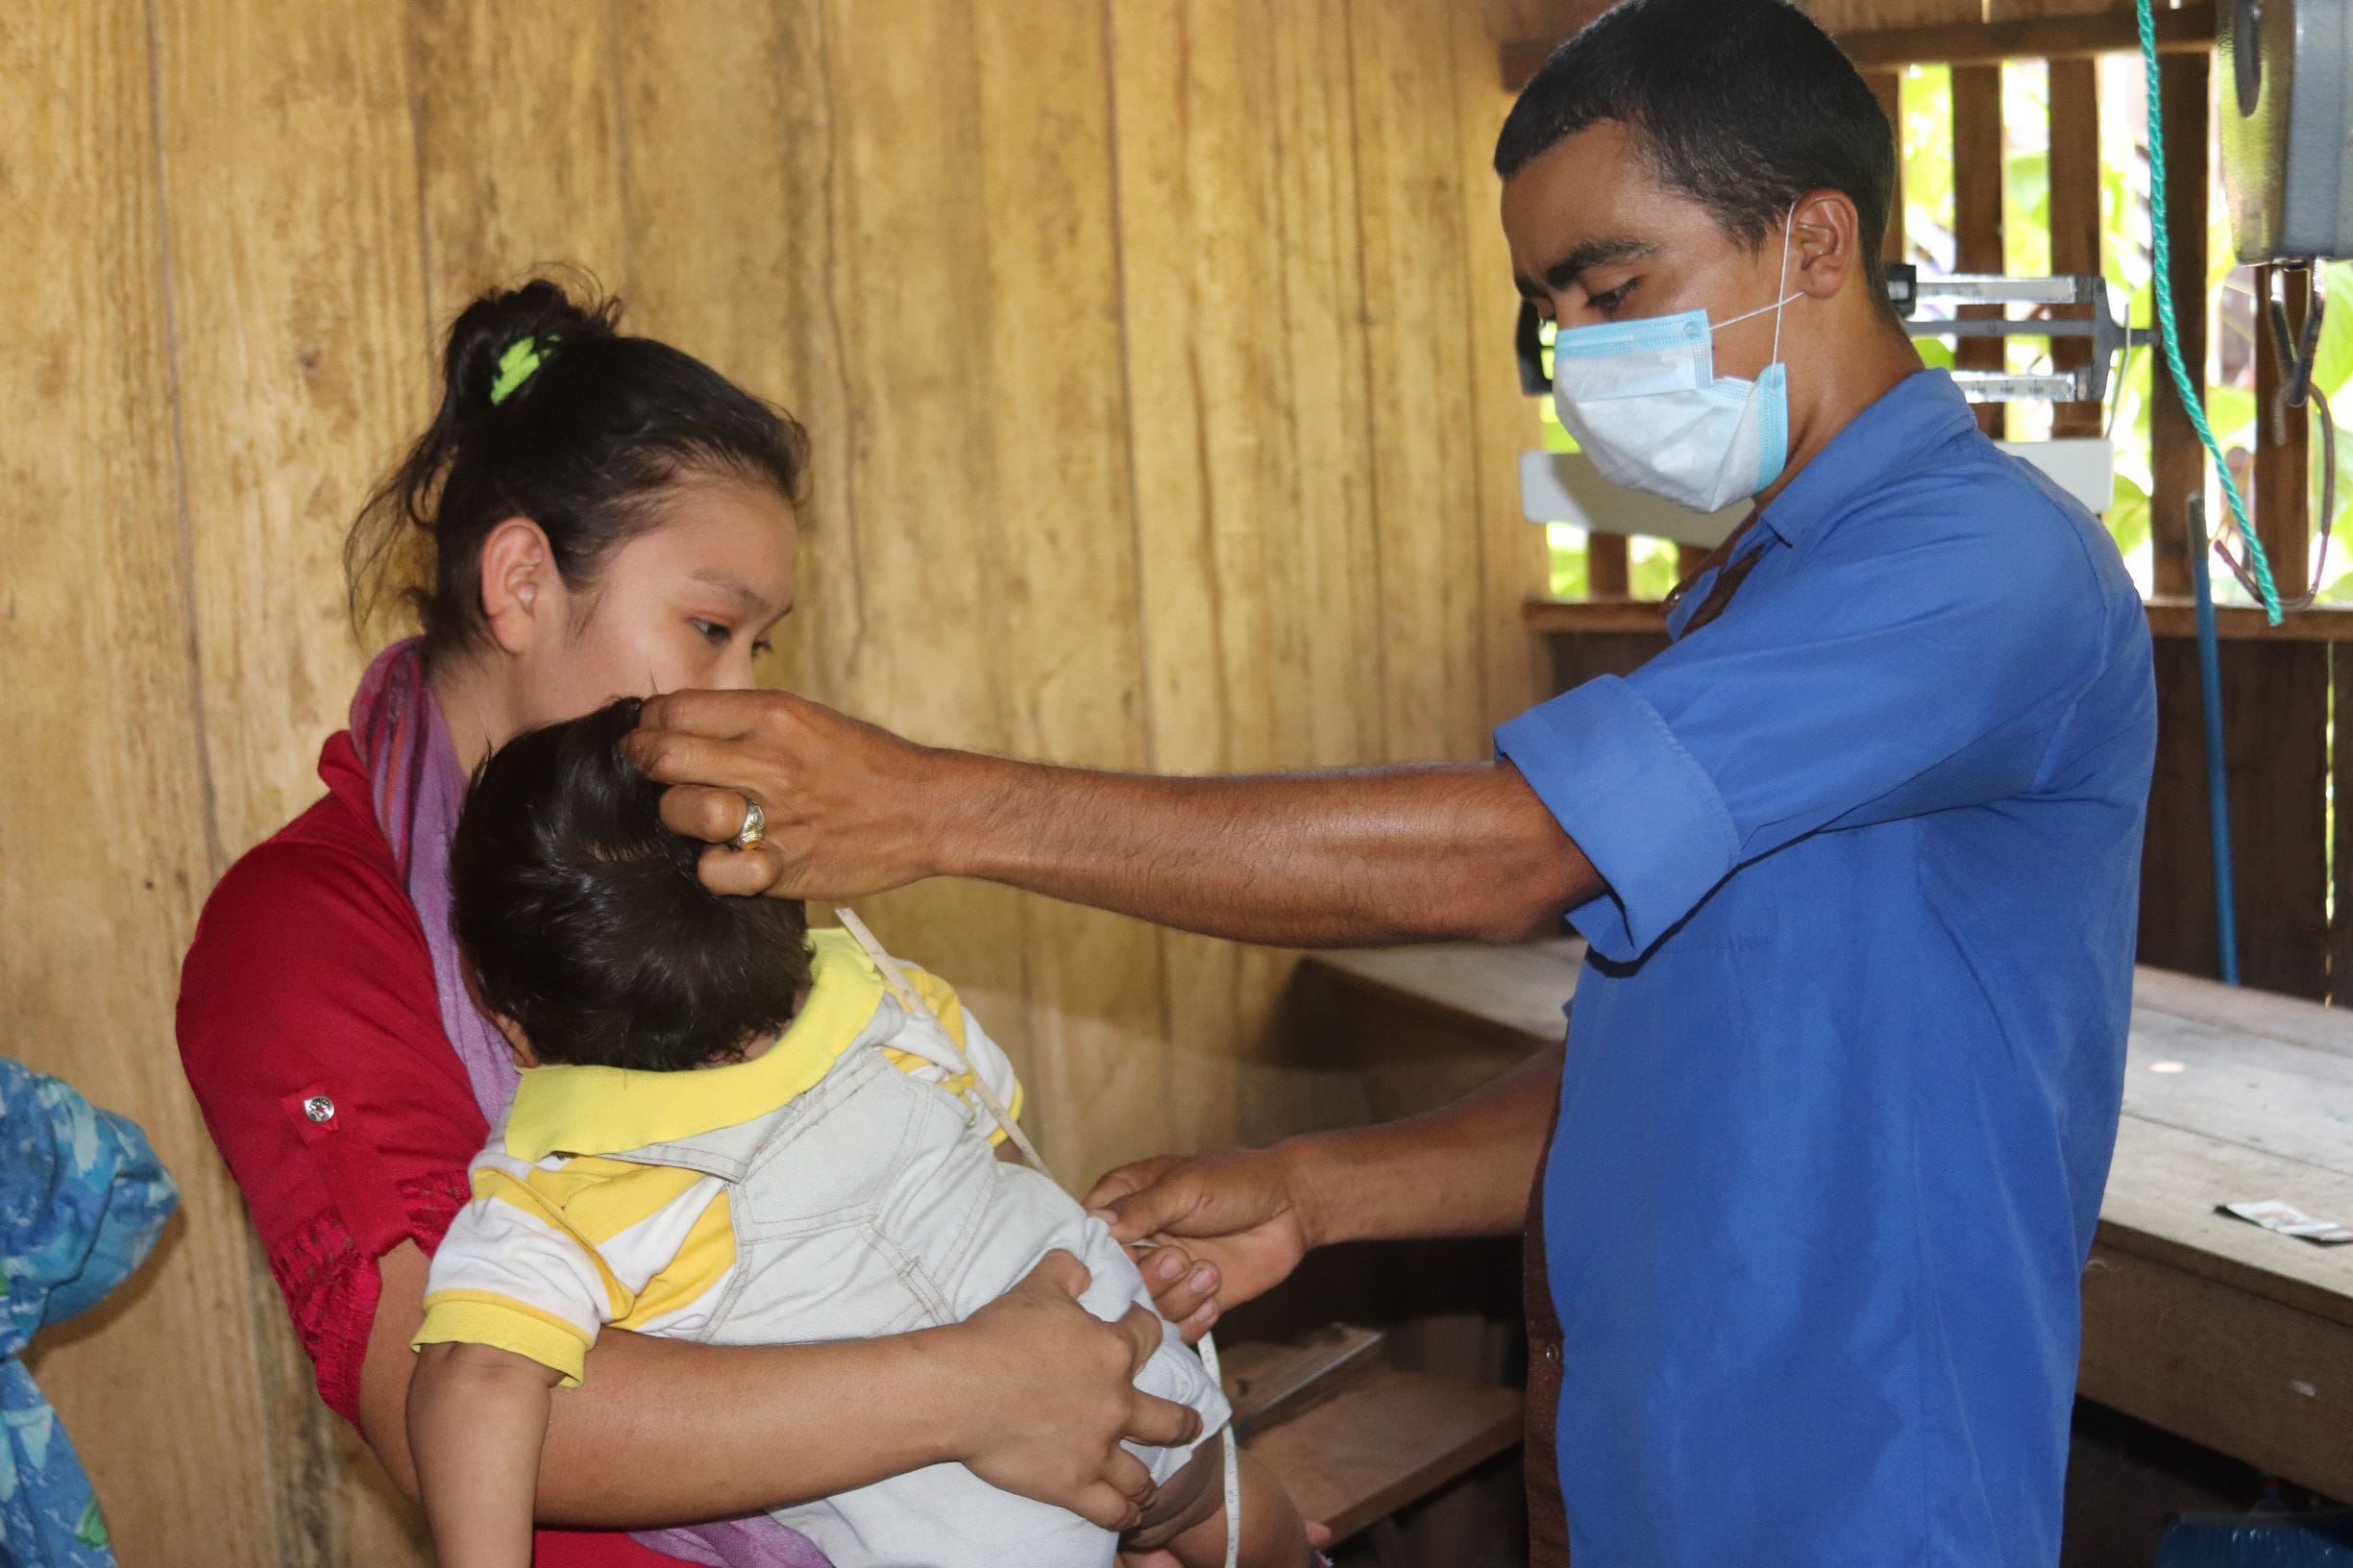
x: 2212, y: 1328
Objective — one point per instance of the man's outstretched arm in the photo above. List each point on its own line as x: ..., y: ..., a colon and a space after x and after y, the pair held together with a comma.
x: 1335, y: 859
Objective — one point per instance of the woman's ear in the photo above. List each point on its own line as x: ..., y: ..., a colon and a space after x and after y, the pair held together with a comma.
x: 521, y: 585
x: 1825, y: 234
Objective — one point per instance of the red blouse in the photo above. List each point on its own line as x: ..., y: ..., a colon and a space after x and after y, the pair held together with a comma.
x: 310, y: 1031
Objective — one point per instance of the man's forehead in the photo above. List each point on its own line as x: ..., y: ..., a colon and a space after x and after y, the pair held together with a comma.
x: 1590, y: 201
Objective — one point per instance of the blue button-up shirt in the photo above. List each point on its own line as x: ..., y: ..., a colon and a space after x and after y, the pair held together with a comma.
x: 1846, y: 1060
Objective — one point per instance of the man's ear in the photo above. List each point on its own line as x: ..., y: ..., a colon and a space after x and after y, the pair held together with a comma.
x: 521, y: 585
x: 1825, y: 240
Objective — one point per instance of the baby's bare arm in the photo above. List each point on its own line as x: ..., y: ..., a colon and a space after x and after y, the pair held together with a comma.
x: 476, y: 1419
x: 1187, y: 1519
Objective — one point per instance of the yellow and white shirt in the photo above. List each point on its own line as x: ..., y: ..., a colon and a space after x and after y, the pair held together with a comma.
x: 565, y: 1234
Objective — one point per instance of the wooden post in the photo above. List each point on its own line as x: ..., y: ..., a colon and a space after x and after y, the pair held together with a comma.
x: 2282, y: 502
x: 1976, y: 211
x: 2287, y: 943
x: 2341, y: 854
x: 2176, y: 461
x: 1607, y: 572
x: 2074, y: 217
x: 1888, y: 87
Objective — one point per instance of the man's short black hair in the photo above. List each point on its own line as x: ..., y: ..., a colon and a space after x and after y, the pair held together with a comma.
x: 1743, y: 105
x: 584, y: 921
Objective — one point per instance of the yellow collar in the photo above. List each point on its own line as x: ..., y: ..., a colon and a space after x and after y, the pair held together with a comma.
x: 613, y: 1110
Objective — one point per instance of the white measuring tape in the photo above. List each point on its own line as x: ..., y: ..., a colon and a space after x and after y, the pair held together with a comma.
x: 903, y: 990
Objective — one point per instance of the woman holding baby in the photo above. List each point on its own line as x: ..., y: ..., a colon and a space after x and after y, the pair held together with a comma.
x: 589, y: 515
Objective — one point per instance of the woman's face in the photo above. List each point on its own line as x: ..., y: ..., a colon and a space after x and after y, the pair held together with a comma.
x: 686, y: 603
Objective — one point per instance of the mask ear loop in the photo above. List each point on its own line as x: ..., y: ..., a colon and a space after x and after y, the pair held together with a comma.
x: 1781, y: 287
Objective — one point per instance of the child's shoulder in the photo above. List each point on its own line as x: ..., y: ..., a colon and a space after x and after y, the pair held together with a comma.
x: 595, y: 1196
x: 840, y: 961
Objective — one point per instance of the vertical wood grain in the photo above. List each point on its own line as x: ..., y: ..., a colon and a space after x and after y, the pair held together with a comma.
x: 1244, y: 377
x: 2282, y: 500
x: 517, y: 115
x: 1609, y: 569
x: 1887, y: 87
x: 2340, y: 842
x: 1409, y: 202
x: 1069, y: 655
x: 903, y: 579
x: 2275, y: 706
x: 1154, y: 363
x: 2178, y: 463
x: 1505, y: 422
x: 104, y: 835
x: 2074, y: 219
x: 2006, y: 10
x: 1978, y: 162
x: 1854, y: 15
x: 283, y: 155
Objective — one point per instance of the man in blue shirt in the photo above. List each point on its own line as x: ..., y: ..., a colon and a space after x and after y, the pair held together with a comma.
x: 1856, y: 857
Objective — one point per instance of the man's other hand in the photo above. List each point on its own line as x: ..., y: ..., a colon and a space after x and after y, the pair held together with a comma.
x: 1237, y: 1212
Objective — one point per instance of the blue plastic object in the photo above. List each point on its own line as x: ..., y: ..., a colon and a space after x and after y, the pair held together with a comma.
x: 2292, y: 1540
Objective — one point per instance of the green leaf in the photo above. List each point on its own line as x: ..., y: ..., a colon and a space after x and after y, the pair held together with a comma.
x: 1569, y: 578
x: 2128, y: 515
x: 2333, y: 358
x: 2231, y: 411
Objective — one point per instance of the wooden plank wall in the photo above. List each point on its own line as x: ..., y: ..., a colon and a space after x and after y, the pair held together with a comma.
x: 1155, y: 357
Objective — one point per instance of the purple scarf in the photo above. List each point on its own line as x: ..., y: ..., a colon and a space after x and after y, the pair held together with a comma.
x: 417, y: 787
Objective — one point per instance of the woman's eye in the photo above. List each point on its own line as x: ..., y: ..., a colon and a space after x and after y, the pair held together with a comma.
x: 763, y: 648
x: 713, y: 632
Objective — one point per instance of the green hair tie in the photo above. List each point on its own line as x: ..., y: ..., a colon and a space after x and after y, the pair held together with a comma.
x: 518, y: 364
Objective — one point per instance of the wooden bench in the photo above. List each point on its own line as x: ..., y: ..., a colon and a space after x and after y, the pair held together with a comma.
x: 2201, y: 1324
x: 1352, y: 1438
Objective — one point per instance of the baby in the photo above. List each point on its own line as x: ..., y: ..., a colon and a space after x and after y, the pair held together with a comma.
x: 730, y: 1130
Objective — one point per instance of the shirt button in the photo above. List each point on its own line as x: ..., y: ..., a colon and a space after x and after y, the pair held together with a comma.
x: 319, y: 1108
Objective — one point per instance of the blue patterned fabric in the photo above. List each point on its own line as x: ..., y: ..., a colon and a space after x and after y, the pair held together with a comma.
x: 81, y: 1198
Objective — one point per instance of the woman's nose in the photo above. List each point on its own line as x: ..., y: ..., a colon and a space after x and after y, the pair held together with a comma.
x: 734, y: 674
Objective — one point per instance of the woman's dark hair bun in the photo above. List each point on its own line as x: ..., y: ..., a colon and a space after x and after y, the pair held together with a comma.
x: 487, y: 329
x: 579, y: 433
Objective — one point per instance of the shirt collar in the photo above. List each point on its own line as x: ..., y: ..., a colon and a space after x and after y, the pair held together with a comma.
x: 579, y: 1110
x: 1917, y: 414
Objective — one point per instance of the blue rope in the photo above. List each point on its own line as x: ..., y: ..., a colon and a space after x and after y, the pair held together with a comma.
x: 2171, y: 338
x: 2217, y: 782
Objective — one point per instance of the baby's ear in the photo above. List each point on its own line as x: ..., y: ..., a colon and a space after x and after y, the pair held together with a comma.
x: 516, y: 1041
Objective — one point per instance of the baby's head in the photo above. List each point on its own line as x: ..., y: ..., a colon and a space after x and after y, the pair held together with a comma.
x: 589, y: 936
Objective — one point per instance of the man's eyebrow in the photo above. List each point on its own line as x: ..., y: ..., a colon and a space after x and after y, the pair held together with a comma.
x: 1583, y: 259
x: 728, y: 582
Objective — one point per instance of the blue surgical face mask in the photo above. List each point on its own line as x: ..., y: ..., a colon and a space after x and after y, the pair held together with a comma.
x: 1645, y: 403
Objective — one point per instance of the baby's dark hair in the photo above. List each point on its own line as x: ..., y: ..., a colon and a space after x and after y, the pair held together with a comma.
x: 584, y: 921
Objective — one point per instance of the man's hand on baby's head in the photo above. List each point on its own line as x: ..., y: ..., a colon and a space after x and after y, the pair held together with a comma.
x: 851, y: 809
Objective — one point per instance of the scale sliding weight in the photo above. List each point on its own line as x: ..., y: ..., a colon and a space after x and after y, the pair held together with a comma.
x: 2086, y: 384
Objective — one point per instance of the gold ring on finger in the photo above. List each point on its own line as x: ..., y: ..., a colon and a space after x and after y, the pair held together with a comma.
x: 755, y: 828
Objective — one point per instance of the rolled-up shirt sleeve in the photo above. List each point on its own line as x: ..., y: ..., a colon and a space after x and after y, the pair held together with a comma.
x: 1909, y: 662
